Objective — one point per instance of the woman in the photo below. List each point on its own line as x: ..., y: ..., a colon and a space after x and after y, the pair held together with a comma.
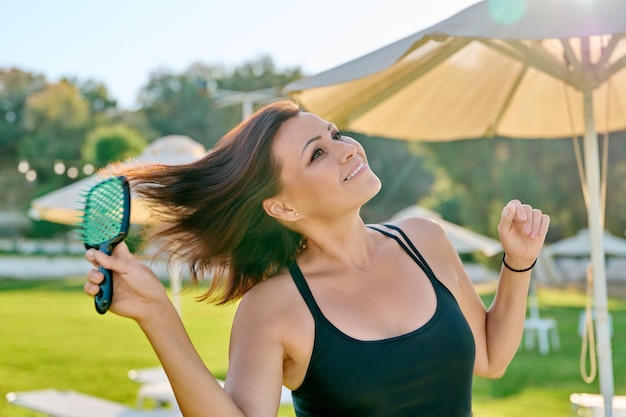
x: 356, y: 320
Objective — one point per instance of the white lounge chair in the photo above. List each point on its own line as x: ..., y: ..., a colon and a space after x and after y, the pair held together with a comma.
x: 592, y: 405
x: 544, y: 330
x: 156, y: 387
x: 64, y: 403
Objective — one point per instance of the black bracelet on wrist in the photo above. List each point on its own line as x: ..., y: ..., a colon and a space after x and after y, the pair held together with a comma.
x: 517, y: 270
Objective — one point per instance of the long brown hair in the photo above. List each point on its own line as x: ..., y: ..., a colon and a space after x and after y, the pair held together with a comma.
x: 211, y: 210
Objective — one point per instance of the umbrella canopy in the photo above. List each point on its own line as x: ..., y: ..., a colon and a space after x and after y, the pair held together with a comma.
x: 464, y: 240
x: 478, y: 74
x: 65, y: 204
x: 523, y: 69
x: 580, y: 245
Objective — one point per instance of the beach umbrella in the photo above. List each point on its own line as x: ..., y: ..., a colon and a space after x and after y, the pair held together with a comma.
x: 512, y: 68
x: 579, y: 245
x: 64, y: 205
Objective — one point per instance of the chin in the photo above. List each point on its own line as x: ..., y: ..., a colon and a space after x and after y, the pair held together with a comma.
x: 375, y: 189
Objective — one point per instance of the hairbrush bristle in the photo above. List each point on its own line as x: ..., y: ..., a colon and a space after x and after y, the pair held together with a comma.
x: 105, y: 213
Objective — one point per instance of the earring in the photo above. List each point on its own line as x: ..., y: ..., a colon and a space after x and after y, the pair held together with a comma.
x: 296, y: 214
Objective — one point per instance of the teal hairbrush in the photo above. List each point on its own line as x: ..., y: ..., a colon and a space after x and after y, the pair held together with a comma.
x: 105, y: 222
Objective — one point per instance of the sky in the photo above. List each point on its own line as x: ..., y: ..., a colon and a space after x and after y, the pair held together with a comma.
x: 120, y: 42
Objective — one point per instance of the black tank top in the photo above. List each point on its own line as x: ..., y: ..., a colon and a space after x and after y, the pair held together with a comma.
x: 425, y: 373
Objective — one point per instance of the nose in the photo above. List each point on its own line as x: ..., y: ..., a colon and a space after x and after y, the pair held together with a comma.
x: 348, y: 151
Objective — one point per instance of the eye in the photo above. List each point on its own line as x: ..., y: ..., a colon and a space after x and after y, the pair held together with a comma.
x: 316, y: 154
x: 337, y: 135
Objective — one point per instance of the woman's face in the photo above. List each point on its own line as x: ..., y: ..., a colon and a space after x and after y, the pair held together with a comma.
x: 323, y: 173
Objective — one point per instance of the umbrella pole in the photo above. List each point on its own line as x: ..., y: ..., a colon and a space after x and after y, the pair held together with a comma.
x: 592, y: 170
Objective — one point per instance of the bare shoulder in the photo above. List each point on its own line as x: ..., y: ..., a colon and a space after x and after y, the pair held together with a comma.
x: 421, y: 229
x: 268, y: 306
x: 269, y: 296
x: 431, y: 240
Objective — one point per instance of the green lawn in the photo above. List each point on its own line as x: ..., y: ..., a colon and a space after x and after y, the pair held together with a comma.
x: 52, y: 337
x: 540, y: 385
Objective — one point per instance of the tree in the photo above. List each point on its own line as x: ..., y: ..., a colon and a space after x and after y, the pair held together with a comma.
x: 15, y: 87
x: 55, y: 121
x: 177, y: 104
x: 257, y: 74
x: 112, y: 143
x: 190, y: 104
x: 486, y: 173
x: 403, y: 172
x: 615, y: 217
x: 98, y: 97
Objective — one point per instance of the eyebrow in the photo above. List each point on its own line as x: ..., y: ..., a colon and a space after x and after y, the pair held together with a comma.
x: 318, y: 137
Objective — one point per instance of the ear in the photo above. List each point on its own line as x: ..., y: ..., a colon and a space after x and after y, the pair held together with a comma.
x: 276, y: 208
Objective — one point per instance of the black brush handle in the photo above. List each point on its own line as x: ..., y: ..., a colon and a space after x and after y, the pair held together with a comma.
x: 104, y: 297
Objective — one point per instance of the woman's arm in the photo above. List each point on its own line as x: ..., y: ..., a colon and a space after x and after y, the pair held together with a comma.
x: 498, y: 330
x: 197, y: 391
x: 140, y: 296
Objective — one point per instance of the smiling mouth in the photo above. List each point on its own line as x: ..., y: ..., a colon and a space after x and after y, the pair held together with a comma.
x: 356, y: 170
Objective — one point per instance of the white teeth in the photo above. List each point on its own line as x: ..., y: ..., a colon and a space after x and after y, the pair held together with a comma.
x: 353, y: 173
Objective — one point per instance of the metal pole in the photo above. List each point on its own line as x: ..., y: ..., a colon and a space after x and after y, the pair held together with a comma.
x: 596, y: 231
x: 247, y: 106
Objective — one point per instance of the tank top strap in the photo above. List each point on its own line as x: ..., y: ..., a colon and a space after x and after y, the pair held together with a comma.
x: 408, y: 247
x: 305, y: 291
